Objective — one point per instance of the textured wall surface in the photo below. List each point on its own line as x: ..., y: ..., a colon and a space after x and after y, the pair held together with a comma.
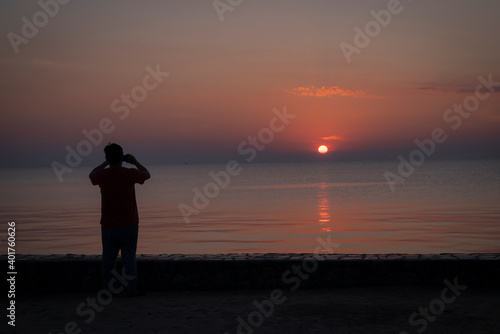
x: 76, y: 273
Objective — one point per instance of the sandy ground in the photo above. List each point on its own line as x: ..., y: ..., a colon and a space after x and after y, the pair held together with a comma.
x: 338, y: 310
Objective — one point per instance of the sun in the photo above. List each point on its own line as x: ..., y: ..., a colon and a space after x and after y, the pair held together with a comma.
x: 322, y: 149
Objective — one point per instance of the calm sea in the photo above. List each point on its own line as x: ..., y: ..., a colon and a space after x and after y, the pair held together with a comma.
x: 445, y: 206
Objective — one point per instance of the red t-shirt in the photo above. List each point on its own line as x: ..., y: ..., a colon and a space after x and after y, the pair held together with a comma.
x: 118, y: 204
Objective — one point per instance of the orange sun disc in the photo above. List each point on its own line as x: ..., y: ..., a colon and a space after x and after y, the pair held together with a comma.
x: 322, y: 149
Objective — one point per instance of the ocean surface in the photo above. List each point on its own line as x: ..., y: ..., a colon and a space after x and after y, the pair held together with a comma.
x: 443, y: 207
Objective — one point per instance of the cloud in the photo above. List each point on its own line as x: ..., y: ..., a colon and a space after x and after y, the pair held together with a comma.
x: 332, y: 138
x: 327, y: 91
x: 438, y: 88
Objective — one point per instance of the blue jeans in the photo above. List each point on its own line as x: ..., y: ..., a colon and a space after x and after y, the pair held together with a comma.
x: 114, y: 240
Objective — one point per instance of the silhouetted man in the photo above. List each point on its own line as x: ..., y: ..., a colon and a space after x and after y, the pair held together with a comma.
x: 119, y: 215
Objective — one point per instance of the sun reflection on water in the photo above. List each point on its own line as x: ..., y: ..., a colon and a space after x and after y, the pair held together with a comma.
x: 324, y: 203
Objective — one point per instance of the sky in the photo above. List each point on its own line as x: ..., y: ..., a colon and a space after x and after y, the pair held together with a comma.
x: 205, y: 81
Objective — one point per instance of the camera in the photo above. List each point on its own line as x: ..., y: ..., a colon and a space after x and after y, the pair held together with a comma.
x: 127, y: 158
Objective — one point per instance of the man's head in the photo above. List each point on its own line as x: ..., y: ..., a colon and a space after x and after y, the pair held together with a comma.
x: 113, y: 153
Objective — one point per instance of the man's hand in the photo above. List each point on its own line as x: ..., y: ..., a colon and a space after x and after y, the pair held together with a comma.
x: 129, y: 158
x: 132, y: 160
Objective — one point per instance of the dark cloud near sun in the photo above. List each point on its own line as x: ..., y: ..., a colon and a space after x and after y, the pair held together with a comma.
x: 439, y: 88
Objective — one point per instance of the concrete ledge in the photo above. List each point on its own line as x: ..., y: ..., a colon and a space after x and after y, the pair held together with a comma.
x: 77, y: 273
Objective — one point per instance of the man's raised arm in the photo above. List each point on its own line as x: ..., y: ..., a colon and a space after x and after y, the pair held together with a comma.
x: 131, y: 159
x: 101, y: 166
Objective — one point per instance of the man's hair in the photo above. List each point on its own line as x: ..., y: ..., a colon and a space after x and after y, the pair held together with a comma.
x: 113, y: 153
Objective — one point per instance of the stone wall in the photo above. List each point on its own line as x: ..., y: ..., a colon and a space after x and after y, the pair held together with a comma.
x: 78, y: 273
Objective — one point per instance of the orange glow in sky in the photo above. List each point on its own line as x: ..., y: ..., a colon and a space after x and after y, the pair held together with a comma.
x: 93, y: 62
